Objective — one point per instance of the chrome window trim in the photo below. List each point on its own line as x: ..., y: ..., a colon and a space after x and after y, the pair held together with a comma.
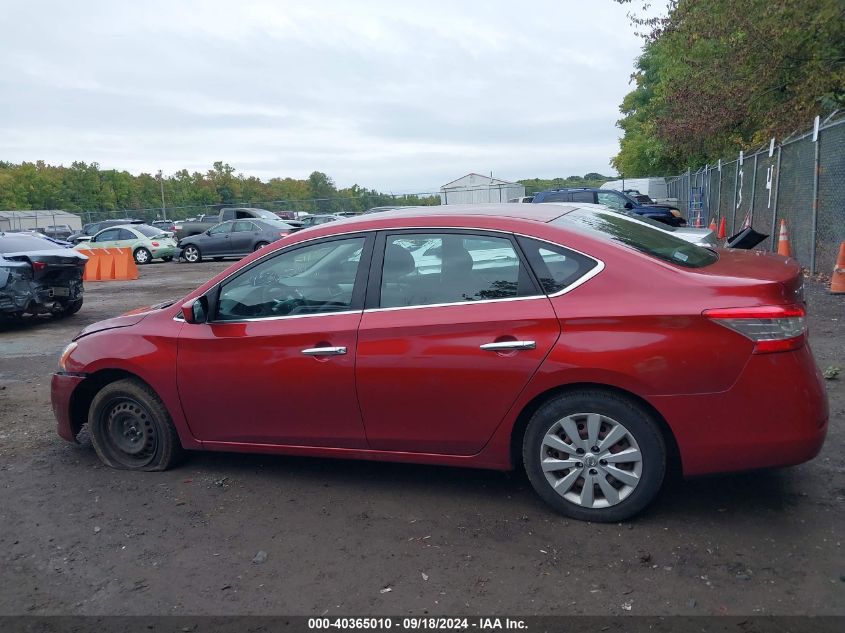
x: 364, y: 232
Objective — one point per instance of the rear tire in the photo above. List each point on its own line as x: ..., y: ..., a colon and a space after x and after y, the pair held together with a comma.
x: 142, y: 256
x: 261, y: 245
x: 131, y: 429
x: 613, y: 467
x: 71, y: 307
x: 192, y: 254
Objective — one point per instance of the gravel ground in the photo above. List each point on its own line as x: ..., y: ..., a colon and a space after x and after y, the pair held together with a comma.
x: 250, y: 534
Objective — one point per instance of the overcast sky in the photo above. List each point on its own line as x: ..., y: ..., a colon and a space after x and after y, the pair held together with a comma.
x: 398, y: 96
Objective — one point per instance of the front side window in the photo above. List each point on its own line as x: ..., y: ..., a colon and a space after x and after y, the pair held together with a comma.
x: 312, y: 279
x: 426, y: 269
x: 226, y: 227
x: 107, y: 236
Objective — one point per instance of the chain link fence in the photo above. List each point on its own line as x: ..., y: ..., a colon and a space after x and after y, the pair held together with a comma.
x: 801, y: 180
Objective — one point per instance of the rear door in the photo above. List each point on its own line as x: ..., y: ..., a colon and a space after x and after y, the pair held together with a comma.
x: 446, y: 346
x: 244, y: 235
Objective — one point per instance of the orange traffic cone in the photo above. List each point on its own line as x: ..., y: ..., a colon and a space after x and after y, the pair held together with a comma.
x: 783, y: 241
x: 722, y: 229
x: 712, y: 226
x: 837, y: 281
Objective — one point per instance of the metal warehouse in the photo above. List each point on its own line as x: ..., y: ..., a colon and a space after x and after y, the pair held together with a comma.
x: 475, y: 188
x: 37, y: 218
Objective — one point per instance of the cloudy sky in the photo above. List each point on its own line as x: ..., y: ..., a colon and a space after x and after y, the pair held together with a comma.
x: 398, y: 96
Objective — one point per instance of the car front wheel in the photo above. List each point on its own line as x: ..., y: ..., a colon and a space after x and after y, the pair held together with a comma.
x: 192, y: 254
x: 142, y: 256
x: 131, y: 429
x: 595, y: 455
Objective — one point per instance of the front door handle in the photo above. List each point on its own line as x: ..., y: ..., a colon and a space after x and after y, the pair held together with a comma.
x: 506, y: 345
x: 324, y: 351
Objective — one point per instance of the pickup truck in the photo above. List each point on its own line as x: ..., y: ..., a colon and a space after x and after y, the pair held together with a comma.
x: 184, y: 228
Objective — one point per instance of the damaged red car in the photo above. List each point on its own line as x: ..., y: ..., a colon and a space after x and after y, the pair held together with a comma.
x: 591, y: 350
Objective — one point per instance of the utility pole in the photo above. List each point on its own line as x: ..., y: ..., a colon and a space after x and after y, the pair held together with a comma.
x: 163, y: 208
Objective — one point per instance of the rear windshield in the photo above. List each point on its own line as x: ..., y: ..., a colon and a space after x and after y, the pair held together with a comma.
x: 24, y: 243
x: 654, y: 242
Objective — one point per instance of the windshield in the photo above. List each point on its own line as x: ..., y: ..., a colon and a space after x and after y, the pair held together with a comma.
x: 148, y: 231
x: 610, y: 226
x: 23, y: 243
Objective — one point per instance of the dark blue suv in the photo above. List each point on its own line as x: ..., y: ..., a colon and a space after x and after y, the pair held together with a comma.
x: 616, y: 200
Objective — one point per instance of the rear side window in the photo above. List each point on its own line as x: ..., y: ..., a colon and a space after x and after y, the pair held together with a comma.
x: 654, y: 242
x: 430, y: 268
x: 557, y: 196
x: 556, y: 267
x: 243, y: 225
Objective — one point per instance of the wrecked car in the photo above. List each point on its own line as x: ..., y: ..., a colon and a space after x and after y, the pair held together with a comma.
x: 38, y: 276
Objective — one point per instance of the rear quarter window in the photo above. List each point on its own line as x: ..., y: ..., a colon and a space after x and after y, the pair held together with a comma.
x: 555, y: 267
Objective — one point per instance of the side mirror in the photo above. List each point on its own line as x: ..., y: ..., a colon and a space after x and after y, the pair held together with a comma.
x: 196, y: 310
x: 629, y: 205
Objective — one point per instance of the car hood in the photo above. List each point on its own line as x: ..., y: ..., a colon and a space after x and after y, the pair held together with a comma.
x: 110, y: 324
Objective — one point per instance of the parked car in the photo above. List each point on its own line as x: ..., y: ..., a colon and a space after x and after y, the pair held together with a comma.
x: 313, y: 220
x: 146, y: 242
x: 38, y: 276
x: 195, y: 227
x: 234, y: 238
x: 703, y: 236
x: 616, y: 200
x: 42, y: 236
x: 56, y: 231
x: 91, y: 229
x: 168, y: 226
x: 599, y: 352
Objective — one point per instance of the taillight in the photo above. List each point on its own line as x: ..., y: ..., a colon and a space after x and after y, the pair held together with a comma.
x: 283, y: 233
x: 155, y: 243
x: 39, y: 266
x: 772, y: 328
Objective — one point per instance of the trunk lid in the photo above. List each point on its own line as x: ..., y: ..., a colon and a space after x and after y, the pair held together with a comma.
x: 754, y: 278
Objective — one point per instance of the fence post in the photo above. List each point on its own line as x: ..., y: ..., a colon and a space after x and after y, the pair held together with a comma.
x: 815, y: 218
x: 775, y: 209
x: 753, y: 191
x: 736, y: 185
x: 719, y: 191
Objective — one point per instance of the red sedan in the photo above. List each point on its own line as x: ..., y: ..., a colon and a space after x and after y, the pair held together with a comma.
x: 589, y: 349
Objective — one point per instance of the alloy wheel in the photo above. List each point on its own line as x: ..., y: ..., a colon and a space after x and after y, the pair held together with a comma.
x: 591, y: 460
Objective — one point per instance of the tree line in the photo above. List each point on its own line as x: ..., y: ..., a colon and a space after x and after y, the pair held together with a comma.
x: 86, y: 188
x: 719, y: 76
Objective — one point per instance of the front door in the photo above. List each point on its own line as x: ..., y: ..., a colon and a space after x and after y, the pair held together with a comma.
x: 217, y: 242
x: 276, y: 363
x: 456, y: 330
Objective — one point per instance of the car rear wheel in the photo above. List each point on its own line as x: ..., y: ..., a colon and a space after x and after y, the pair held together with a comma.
x: 71, y: 307
x: 595, y: 455
x: 261, y: 245
x: 192, y: 254
x: 131, y: 428
x: 142, y: 256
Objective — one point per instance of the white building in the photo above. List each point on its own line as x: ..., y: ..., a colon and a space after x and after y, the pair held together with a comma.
x: 37, y: 218
x: 654, y: 188
x: 475, y: 188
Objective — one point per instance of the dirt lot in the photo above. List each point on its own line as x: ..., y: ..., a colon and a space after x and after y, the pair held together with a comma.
x: 78, y: 538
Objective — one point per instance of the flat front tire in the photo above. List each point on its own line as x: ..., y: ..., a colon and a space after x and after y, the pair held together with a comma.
x: 131, y: 428
x: 595, y: 455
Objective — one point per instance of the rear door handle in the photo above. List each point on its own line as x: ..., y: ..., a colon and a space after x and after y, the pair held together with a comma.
x: 324, y: 351
x: 506, y: 345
